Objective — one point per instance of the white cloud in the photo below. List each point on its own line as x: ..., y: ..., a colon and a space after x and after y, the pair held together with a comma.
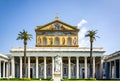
x: 81, y: 23
x: 82, y: 41
x: 82, y: 32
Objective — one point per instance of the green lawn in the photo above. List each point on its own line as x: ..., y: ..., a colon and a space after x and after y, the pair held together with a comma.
x: 86, y: 80
x: 26, y: 79
x: 53, y: 80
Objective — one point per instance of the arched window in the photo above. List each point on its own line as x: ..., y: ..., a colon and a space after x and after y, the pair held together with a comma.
x: 69, y: 41
x: 44, y: 41
x: 57, y: 41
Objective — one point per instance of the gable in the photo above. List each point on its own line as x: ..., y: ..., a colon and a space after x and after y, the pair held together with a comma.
x: 57, y: 26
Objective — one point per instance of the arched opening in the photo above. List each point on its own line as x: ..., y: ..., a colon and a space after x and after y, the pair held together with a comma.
x: 57, y: 41
x: 44, y: 41
x: 69, y: 41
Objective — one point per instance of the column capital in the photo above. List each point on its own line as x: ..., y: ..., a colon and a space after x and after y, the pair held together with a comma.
x: 77, y: 56
x: 69, y: 56
x: 36, y: 57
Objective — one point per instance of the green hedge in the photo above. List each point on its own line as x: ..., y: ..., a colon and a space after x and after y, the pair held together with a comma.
x: 37, y: 79
x: 87, y: 80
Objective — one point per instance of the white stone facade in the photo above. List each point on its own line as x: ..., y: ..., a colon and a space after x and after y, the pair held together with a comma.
x: 40, y: 62
x: 4, y: 66
x: 112, y: 66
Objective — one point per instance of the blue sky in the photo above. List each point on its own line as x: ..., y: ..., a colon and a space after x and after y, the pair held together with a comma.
x: 101, y: 15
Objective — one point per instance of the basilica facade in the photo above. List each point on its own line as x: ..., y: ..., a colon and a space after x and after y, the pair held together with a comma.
x: 54, y: 39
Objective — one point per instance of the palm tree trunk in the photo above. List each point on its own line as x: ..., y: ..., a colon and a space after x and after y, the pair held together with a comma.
x: 24, y: 69
x: 91, y: 60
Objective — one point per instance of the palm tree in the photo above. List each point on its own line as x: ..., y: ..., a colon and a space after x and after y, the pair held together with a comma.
x: 25, y: 37
x: 92, y: 35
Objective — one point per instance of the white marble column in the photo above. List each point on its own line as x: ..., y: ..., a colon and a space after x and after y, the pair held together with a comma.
x: 20, y: 67
x: 0, y: 68
x: 13, y: 67
x: 114, y: 69
x: 4, y: 69
x: 7, y: 70
x: 119, y: 68
x: 69, y: 68
x: 101, y: 68
x: 77, y: 67
x: 36, y: 67
x: 52, y: 67
x: 61, y: 68
x: 93, y: 67
x: 85, y: 68
x: 110, y: 73
x: 28, y: 67
x: 44, y: 67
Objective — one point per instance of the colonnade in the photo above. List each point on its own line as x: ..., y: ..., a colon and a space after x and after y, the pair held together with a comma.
x: 45, y: 58
x: 113, y: 69
x: 4, y: 73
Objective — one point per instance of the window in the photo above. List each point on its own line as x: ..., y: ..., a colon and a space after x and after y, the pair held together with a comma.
x: 44, y: 41
x: 69, y: 41
x: 57, y: 41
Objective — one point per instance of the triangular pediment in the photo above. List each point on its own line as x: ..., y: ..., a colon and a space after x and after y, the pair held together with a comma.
x: 57, y: 26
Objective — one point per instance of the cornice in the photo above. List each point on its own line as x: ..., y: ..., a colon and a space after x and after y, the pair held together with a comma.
x: 65, y: 49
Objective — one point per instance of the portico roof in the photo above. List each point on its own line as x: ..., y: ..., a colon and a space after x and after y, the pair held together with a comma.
x: 3, y: 57
x: 37, y: 49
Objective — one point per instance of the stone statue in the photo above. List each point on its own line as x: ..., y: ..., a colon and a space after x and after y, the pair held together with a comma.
x: 57, y: 63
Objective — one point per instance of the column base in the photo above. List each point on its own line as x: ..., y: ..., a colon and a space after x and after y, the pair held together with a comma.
x: 57, y: 76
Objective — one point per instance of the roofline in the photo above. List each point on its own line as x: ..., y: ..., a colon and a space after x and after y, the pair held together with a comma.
x: 74, y: 27
x: 4, y: 56
x: 44, y: 49
x: 115, y: 54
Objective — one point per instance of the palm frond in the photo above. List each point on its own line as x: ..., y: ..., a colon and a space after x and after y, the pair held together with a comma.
x: 24, y: 35
x: 92, y: 34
